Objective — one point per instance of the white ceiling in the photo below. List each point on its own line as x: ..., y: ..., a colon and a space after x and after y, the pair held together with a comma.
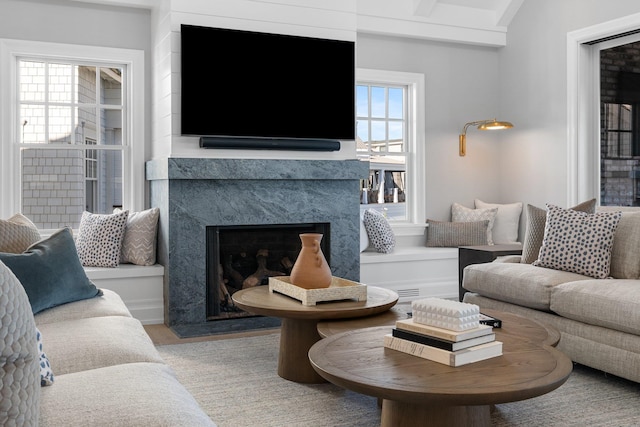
x: 482, y: 22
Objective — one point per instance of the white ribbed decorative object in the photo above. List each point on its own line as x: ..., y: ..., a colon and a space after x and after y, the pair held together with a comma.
x: 447, y: 314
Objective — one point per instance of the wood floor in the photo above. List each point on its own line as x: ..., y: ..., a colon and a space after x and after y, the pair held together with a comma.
x: 162, y: 335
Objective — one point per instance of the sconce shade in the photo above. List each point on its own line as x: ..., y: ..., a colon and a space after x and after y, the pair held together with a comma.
x: 481, y: 125
x: 494, y: 124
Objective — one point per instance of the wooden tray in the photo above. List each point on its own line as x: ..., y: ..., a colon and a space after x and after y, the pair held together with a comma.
x: 340, y: 289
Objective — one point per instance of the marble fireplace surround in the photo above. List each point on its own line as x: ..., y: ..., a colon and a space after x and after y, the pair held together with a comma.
x: 193, y: 193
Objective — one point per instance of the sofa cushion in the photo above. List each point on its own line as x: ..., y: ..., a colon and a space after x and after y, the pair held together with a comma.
x: 461, y: 213
x: 611, y: 304
x: 107, y: 304
x: 17, y: 234
x: 132, y: 394
x: 625, y: 253
x: 507, y: 224
x: 97, y: 342
x: 19, y: 368
x: 578, y: 242
x: 50, y: 272
x: 516, y: 283
x: 536, y: 218
x: 454, y: 234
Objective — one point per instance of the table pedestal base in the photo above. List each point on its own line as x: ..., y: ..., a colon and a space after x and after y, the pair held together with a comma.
x: 296, y: 338
x: 396, y: 414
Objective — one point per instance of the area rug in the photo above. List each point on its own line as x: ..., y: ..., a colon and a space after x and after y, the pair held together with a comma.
x: 237, y: 385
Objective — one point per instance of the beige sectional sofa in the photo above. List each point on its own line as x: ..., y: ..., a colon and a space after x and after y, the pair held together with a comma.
x: 598, y: 319
x: 107, y: 371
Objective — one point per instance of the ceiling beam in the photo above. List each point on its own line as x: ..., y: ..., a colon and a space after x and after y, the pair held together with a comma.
x: 423, y: 7
x: 506, y: 11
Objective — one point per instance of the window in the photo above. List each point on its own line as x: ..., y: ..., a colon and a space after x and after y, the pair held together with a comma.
x: 77, y: 139
x: 64, y: 106
x: 389, y: 135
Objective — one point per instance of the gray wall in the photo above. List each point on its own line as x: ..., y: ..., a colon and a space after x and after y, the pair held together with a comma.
x: 461, y: 84
x: 533, y: 70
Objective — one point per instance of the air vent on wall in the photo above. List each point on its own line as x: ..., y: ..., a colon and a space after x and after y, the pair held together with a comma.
x: 408, y: 293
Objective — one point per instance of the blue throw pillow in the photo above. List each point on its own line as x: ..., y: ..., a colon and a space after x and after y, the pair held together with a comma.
x: 50, y: 272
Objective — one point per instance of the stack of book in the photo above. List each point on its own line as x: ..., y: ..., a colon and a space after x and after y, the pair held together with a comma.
x: 444, y: 331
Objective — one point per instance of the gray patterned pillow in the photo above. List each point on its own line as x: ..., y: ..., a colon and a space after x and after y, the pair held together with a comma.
x: 578, y: 242
x: 139, y: 241
x: 461, y: 213
x: 534, y: 231
x: 17, y: 234
x: 99, y: 238
x: 454, y: 234
x: 379, y: 231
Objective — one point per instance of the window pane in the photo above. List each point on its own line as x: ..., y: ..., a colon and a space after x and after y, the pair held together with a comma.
x: 378, y: 103
x: 32, y: 124
x: 52, y: 187
x: 60, y: 83
x: 378, y: 136
x: 60, y: 125
x: 362, y: 101
x: 31, y: 78
x: 111, y: 127
x: 111, y: 81
x: 362, y: 139
x: 396, y: 103
x: 86, y: 84
x: 396, y: 137
x: 625, y: 117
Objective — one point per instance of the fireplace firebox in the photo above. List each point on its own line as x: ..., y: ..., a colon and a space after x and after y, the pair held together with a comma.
x: 243, y: 256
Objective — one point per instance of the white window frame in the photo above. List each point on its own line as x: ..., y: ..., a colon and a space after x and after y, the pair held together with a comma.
x: 583, y: 104
x: 416, y: 195
x: 133, y: 115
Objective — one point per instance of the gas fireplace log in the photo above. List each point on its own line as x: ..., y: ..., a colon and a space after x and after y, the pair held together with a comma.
x: 262, y: 271
x: 223, y: 292
x: 235, y: 277
x: 287, y: 264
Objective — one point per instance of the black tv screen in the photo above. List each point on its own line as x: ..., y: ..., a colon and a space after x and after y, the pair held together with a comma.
x: 250, y: 84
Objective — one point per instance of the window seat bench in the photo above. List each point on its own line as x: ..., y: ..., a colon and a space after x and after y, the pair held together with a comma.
x: 413, y: 272
x: 139, y: 286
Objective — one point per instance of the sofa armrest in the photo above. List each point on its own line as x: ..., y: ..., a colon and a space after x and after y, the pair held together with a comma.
x: 513, y: 259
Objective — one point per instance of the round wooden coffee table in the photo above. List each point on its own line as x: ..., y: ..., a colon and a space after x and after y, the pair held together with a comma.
x: 417, y: 392
x: 299, y: 329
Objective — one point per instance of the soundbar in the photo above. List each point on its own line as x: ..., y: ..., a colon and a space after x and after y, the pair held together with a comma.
x: 239, y: 143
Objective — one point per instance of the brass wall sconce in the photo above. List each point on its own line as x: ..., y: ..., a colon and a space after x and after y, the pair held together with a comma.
x: 481, y: 125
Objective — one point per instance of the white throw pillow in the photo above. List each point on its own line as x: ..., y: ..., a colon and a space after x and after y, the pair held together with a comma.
x: 140, y: 237
x: 461, y: 213
x: 507, y: 224
x: 379, y: 231
x: 364, y: 238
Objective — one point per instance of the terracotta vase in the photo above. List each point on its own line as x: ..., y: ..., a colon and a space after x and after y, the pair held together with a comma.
x: 311, y: 270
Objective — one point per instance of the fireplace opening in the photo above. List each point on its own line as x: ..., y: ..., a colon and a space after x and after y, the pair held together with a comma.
x: 239, y: 257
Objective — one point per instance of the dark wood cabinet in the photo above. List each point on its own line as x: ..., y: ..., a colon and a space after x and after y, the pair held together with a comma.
x: 468, y: 255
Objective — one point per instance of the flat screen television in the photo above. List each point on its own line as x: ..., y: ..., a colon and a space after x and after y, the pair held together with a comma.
x: 244, y: 84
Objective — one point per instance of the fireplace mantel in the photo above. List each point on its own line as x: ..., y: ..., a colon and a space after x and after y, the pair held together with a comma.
x: 193, y: 193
